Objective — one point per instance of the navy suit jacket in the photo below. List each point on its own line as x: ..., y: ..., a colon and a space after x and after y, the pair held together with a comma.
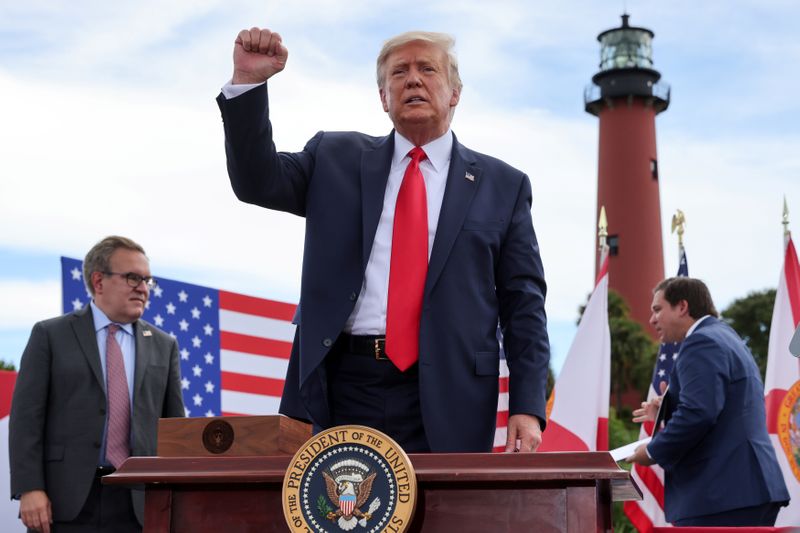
x: 714, y: 449
x: 484, y: 265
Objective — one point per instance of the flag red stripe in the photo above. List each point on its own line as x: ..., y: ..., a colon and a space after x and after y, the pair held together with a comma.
x: 502, y: 419
x: 254, y: 345
x: 603, y: 270
x: 638, y: 517
x: 252, y: 384
x: 503, y: 383
x: 773, y: 403
x: 651, y: 481
x: 251, y: 305
x: 792, y: 270
x: 557, y: 438
x: 602, y: 434
x: 8, y: 379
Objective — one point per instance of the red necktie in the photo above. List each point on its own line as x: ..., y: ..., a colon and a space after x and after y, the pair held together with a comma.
x: 119, y: 402
x: 409, y: 265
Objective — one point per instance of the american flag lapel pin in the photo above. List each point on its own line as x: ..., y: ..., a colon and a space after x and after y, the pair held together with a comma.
x: 469, y: 176
x: 147, y: 333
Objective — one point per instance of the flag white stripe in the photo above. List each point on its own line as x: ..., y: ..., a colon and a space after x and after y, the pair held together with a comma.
x: 244, y: 403
x: 262, y: 366
x: 256, y: 326
x: 500, y: 437
x: 503, y: 368
x: 9, y: 509
x: 502, y: 401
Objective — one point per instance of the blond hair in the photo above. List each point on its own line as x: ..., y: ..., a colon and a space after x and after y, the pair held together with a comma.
x: 444, y: 42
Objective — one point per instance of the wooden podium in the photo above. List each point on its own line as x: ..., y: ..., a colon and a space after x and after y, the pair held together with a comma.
x: 236, y: 492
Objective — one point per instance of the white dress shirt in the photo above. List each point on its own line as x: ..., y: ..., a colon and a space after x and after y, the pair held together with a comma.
x: 369, y: 315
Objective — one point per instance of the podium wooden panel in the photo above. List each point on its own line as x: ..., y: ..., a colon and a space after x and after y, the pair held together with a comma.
x: 543, y: 492
x: 252, y: 435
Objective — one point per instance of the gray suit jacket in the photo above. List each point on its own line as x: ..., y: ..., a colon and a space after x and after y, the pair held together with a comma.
x: 59, y: 408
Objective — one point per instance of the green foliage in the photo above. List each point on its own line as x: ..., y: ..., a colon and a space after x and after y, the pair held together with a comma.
x: 620, y: 521
x: 751, y: 317
x: 4, y: 365
x: 621, y: 431
x: 551, y: 381
x: 323, y: 506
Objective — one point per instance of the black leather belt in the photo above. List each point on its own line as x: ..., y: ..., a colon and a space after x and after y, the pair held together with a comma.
x: 104, y: 471
x: 372, y: 345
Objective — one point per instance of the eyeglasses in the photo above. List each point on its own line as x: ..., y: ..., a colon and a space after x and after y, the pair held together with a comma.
x: 135, y: 279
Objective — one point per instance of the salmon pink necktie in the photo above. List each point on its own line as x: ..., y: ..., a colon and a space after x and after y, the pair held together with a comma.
x: 408, y: 267
x: 119, y: 402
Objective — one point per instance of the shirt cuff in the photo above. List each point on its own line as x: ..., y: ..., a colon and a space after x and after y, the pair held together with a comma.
x: 229, y: 90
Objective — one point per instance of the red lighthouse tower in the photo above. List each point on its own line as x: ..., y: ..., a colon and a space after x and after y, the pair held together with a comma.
x: 626, y: 95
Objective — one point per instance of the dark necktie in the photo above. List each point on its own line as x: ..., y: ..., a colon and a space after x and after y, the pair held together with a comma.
x: 119, y: 403
x: 409, y: 266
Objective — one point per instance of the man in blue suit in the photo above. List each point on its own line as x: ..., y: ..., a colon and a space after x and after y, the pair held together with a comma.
x: 431, y: 384
x: 720, y: 467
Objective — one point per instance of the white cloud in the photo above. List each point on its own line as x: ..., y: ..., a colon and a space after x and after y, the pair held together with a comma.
x: 26, y: 302
x: 111, y: 127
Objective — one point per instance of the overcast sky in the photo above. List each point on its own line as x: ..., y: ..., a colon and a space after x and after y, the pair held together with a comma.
x: 109, y: 125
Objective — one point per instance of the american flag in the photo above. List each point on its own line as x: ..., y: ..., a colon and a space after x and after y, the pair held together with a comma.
x: 234, y: 348
x: 502, y: 402
x: 649, y: 512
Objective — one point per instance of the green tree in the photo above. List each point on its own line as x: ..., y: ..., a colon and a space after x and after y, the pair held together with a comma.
x: 751, y: 317
x: 4, y: 365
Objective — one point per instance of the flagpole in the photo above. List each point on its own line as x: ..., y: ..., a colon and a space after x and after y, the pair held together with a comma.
x: 602, y: 235
x: 787, y: 234
x: 679, y: 224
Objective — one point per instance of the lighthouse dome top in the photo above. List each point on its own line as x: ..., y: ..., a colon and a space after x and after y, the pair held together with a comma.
x: 626, y: 47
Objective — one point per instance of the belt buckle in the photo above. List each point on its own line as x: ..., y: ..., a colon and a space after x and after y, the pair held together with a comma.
x: 380, y: 349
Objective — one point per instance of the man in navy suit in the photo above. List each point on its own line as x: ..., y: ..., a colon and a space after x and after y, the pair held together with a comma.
x: 439, y: 391
x: 720, y: 467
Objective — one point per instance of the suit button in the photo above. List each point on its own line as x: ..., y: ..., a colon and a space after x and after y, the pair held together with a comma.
x: 327, y: 343
x: 96, y: 445
x: 103, y: 412
x: 353, y: 296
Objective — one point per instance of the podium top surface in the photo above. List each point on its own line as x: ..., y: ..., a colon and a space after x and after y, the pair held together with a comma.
x: 588, y: 467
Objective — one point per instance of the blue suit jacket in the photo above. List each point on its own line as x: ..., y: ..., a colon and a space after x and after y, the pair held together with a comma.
x: 714, y: 448
x: 484, y: 265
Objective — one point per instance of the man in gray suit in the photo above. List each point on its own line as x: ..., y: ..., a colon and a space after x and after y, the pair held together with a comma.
x: 66, y: 431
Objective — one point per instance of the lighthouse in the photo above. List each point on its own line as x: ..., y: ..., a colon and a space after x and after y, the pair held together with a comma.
x: 626, y: 95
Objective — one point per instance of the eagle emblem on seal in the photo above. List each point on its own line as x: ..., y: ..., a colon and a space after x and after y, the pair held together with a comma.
x: 349, y: 484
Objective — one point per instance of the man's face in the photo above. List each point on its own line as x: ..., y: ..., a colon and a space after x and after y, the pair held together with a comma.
x: 416, y: 90
x: 118, y: 300
x: 671, y: 322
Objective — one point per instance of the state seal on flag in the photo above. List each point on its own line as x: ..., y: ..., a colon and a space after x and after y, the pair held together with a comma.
x: 789, y: 427
x: 349, y: 478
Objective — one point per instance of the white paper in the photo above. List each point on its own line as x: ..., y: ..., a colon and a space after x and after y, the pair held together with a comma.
x: 626, y: 451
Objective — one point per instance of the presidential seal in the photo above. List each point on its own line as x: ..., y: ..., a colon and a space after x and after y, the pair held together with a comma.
x: 349, y: 478
x: 789, y: 427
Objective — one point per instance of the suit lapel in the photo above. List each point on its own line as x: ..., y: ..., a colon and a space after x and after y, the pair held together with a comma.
x: 458, y: 195
x: 375, y: 166
x: 144, y: 352
x: 83, y: 325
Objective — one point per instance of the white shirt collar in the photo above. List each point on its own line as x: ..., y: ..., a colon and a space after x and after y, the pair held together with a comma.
x: 697, y: 323
x: 438, y: 150
x: 101, y: 320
